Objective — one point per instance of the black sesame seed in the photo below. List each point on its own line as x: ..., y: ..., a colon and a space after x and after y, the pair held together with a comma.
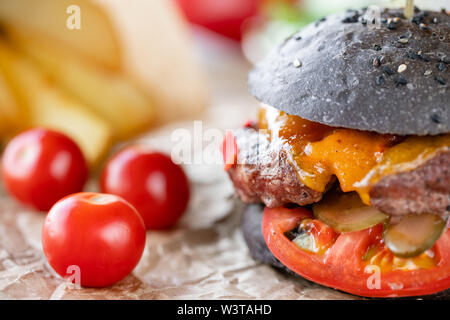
x: 351, y: 19
x: 392, y: 26
x: 418, y: 18
x: 364, y: 22
x: 374, y: 21
x: 376, y: 62
x: 377, y: 47
x: 435, y: 118
x: 412, y: 55
x: 422, y: 56
x: 400, y: 81
x: 347, y: 20
x: 440, y: 80
x: 388, y: 71
x: 441, y: 66
x: 379, y: 80
x: 415, y: 20
x: 445, y: 59
x: 298, y: 38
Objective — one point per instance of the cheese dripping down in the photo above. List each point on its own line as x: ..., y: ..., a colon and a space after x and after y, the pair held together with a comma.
x: 358, y: 159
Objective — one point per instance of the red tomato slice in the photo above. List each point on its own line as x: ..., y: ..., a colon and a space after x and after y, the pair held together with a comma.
x: 357, y: 262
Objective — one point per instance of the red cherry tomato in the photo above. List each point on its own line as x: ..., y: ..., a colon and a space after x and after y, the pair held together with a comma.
x: 41, y: 166
x: 101, y: 236
x: 151, y: 182
x: 222, y: 16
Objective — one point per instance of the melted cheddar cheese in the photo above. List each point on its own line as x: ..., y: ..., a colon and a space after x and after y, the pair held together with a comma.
x: 356, y: 158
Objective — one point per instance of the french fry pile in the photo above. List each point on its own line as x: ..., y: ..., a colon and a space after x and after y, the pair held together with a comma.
x: 125, y: 67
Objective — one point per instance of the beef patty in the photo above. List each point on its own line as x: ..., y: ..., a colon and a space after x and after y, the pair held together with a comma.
x: 263, y: 173
x: 425, y: 189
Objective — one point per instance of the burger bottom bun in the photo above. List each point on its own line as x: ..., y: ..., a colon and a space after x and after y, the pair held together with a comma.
x: 251, y: 225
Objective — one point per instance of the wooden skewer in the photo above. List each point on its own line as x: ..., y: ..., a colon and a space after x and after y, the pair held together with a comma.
x: 409, y: 9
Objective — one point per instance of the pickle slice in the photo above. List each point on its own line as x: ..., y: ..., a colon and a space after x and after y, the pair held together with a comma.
x: 413, y: 234
x: 345, y: 212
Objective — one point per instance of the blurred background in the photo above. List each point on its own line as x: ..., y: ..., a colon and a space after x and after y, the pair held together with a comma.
x: 103, y: 71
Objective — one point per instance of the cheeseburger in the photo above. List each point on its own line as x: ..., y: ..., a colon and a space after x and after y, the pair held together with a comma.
x: 347, y: 165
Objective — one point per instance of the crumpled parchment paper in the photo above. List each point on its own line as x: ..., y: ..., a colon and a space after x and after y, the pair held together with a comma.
x: 204, y: 257
x: 193, y: 261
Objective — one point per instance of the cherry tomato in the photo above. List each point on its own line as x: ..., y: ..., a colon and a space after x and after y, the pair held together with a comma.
x: 101, y: 236
x: 151, y: 182
x: 355, y: 262
x: 41, y: 166
x: 222, y: 16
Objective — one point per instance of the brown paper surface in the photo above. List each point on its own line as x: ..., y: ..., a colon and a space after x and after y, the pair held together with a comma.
x: 204, y: 257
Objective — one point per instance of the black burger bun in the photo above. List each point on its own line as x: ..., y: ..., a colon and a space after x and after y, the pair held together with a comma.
x: 359, y: 70
x: 252, y: 231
